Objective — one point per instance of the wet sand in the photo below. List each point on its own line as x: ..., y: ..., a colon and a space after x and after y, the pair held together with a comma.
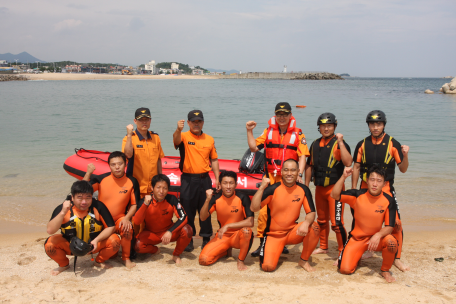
x: 25, y: 277
x: 75, y: 76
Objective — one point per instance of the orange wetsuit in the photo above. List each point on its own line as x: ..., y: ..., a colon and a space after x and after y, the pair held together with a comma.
x: 393, y: 156
x: 302, y: 150
x: 57, y: 246
x: 158, y: 217
x: 370, y: 213
x: 118, y: 194
x: 325, y: 156
x: 283, y: 210
x: 229, y: 210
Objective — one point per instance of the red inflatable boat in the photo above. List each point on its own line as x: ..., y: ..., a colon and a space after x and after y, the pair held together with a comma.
x: 76, y: 166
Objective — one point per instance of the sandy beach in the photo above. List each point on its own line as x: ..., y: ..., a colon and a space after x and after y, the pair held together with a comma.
x: 25, y: 277
x: 74, y: 76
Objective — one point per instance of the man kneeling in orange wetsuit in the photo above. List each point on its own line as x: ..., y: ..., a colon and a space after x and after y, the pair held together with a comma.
x: 372, y: 207
x: 235, y: 219
x: 284, y: 200
x: 81, y: 216
x: 157, y: 212
x: 119, y: 193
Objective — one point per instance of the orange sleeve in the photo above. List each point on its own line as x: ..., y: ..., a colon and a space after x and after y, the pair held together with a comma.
x: 182, y: 140
x: 302, y: 148
x: 266, y: 201
x: 140, y: 215
x: 262, y: 138
x: 396, y: 152
x: 349, y: 197
x: 213, y: 154
x: 337, y: 155
x: 95, y: 186
x: 359, y: 154
x: 160, y: 150
x: 124, y: 141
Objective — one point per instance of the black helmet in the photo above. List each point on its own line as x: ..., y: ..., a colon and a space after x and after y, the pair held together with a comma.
x: 376, y: 115
x: 80, y: 248
x: 327, y: 118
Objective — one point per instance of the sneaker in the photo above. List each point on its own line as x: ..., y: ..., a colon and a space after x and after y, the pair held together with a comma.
x: 256, y: 253
x: 285, y: 250
x: 189, y: 247
x: 205, y: 241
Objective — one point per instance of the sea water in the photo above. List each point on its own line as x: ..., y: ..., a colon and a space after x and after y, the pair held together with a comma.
x: 42, y: 122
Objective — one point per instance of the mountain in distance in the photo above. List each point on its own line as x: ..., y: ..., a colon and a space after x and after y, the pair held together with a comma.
x: 22, y: 58
x: 226, y: 72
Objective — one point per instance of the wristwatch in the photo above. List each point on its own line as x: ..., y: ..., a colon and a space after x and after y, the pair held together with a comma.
x: 300, y: 174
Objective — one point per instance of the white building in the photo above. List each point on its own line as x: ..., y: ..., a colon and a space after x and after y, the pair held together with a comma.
x: 174, y: 66
x: 197, y: 72
x: 151, y: 67
x: 3, y: 63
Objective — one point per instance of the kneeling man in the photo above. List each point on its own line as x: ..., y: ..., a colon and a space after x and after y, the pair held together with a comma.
x: 157, y: 211
x: 284, y: 201
x: 372, y: 208
x: 81, y: 216
x: 235, y: 219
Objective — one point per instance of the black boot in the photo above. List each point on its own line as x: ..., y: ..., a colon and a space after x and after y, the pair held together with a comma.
x: 189, y: 247
x: 256, y: 253
x: 205, y: 241
x: 285, y: 250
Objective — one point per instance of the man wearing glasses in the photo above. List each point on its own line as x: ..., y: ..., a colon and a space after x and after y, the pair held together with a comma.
x: 282, y: 140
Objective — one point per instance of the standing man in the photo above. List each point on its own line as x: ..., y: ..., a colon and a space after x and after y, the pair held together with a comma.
x: 119, y: 193
x: 283, y: 201
x: 384, y: 151
x: 282, y: 140
x: 374, y: 217
x: 328, y: 156
x: 198, y: 157
x: 235, y: 218
x: 143, y: 150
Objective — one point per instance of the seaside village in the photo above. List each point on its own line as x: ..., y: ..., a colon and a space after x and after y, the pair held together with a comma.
x: 150, y: 68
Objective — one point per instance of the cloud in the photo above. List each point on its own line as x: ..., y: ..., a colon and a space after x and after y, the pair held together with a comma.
x: 135, y: 24
x: 3, y: 10
x: 67, y: 24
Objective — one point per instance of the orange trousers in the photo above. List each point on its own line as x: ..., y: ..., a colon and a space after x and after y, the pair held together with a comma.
x: 217, y: 248
x: 354, y: 249
x: 272, y: 246
x: 327, y: 210
x: 263, y: 215
x: 57, y: 248
x: 125, y: 239
x: 147, y: 240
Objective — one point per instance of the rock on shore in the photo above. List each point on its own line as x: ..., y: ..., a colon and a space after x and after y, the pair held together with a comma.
x: 10, y: 77
x: 449, y: 88
x: 429, y: 91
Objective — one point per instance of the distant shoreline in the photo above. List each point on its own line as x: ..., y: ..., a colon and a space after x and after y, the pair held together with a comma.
x: 77, y: 76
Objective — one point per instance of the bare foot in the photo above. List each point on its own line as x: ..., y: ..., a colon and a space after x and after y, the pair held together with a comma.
x: 367, y: 255
x: 319, y: 251
x: 129, y: 264
x: 399, y: 265
x: 102, y: 265
x: 58, y: 270
x: 388, y: 277
x: 229, y: 253
x: 177, y: 259
x: 336, y: 262
x: 306, y: 265
x: 241, y: 266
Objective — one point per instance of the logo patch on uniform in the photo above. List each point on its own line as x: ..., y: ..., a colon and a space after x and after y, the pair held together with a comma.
x: 282, y: 107
x: 383, y: 143
x: 196, y: 113
x: 191, y: 143
x: 303, y: 141
x: 143, y: 111
x: 179, y: 206
x: 324, y: 120
x: 379, y: 210
x: 327, y: 146
x: 296, y: 200
x: 139, y: 146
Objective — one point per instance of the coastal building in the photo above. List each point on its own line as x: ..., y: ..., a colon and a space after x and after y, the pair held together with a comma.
x: 151, y: 67
x: 197, y: 72
x: 3, y: 63
x: 174, y: 66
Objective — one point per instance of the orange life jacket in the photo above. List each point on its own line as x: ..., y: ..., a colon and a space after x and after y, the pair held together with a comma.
x: 280, y: 149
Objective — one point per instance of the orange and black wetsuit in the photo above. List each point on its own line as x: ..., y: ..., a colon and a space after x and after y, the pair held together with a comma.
x: 229, y: 210
x: 283, y: 209
x: 57, y: 246
x: 118, y: 194
x: 385, y: 152
x: 158, y: 217
x: 325, y: 158
x: 370, y: 213
x: 271, y: 140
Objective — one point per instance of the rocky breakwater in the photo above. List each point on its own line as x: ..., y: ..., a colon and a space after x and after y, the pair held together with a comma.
x: 10, y: 77
x: 449, y: 88
x: 316, y: 76
x: 285, y: 76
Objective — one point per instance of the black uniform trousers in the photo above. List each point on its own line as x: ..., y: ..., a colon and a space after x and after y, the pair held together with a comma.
x: 192, y: 198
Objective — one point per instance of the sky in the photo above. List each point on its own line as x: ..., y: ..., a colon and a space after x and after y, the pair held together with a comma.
x: 410, y: 38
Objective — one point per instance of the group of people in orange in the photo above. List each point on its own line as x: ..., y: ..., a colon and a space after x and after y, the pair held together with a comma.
x: 135, y: 212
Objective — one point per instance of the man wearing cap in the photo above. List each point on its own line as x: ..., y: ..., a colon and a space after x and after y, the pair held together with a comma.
x: 198, y: 157
x: 282, y: 140
x: 143, y: 150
